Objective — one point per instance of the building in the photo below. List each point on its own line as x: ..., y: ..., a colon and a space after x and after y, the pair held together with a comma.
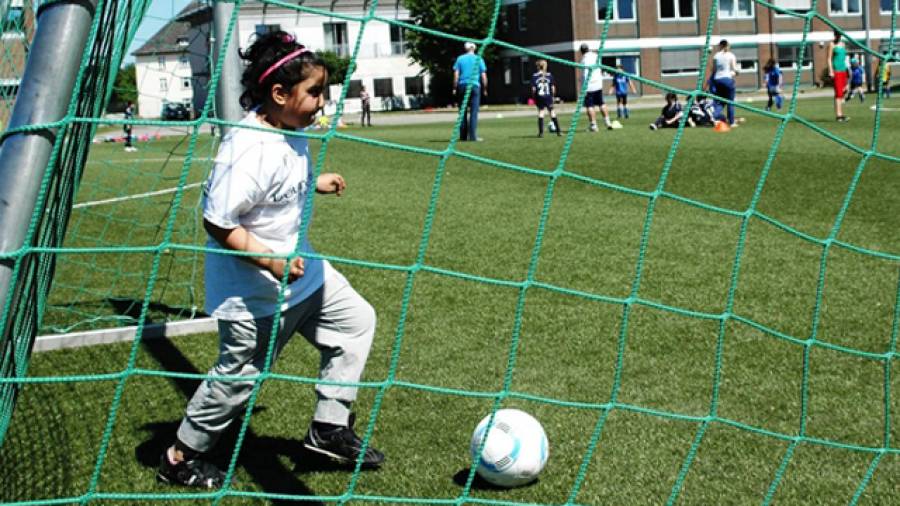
x: 165, y: 65
x: 664, y: 40
x: 382, y: 64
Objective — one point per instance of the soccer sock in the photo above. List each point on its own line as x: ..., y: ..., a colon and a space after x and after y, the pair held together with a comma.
x: 618, y: 112
x: 541, y: 126
x: 625, y: 109
x: 556, y: 125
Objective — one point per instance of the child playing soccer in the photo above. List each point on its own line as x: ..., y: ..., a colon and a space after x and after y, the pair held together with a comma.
x: 857, y: 80
x: 253, y: 202
x: 543, y: 89
x: 621, y: 85
x: 671, y: 113
x: 774, y: 84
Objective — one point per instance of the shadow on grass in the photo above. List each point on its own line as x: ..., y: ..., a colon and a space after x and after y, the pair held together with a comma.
x: 259, y: 454
x: 480, y: 483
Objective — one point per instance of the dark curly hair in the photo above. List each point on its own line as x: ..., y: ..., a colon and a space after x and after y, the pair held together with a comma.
x: 265, y: 51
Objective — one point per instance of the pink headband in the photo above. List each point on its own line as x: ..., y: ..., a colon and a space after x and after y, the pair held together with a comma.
x: 279, y: 63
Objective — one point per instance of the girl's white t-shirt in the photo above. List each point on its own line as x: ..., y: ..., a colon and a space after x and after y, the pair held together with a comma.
x: 725, y: 61
x: 259, y: 181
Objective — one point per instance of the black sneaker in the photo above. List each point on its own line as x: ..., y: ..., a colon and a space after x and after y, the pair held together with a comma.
x: 190, y: 473
x: 342, y: 445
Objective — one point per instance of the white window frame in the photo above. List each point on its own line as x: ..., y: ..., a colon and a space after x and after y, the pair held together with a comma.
x: 738, y: 15
x: 678, y: 18
x: 843, y: 12
x: 163, y: 84
x: 161, y: 62
x: 884, y: 12
x: 798, y: 10
x: 615, y: 15
x: 794, y: 67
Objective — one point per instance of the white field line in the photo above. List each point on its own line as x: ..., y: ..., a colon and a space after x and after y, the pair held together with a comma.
x: 106, y: 336
x: 886, y: 108
x: 134, y: 197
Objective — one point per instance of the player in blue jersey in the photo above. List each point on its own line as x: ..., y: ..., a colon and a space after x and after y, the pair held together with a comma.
x: 857, y: 80
x: 621, y: 85
x: 543, y: 90
x: 774, y: 84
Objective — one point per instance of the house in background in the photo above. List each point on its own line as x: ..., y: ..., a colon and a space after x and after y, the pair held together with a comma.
x: 383, y: 65
x: 664, y: 40
x: 166, y: 63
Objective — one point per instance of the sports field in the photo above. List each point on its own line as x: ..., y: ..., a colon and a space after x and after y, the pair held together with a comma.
x: 661, y: 369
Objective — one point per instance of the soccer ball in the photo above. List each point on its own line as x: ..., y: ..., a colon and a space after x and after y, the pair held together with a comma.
x: 516, y: 449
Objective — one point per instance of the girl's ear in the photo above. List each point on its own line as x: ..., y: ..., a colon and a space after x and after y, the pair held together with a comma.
x: 279, y: 94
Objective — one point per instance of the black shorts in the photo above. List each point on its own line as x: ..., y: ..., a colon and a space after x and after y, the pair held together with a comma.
x: 544, y: 102
x: 593, y: 98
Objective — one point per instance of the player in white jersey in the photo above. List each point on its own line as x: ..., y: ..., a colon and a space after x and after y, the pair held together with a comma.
x: 593, y: 97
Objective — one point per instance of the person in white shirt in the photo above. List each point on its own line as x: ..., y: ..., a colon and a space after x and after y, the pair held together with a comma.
x: 593, y: 97
x: 254, y: 202
x: 724, y: 72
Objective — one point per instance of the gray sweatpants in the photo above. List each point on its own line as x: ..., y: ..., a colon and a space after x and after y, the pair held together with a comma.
x: 335, y: 319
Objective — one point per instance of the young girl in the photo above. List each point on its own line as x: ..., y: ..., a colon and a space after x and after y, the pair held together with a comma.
x: 253, y: 202
x: 857, y: 81
x: 837, y: 70
x: 774, y: 84
x: 366, y: 102
x: 543, y: 89
x: 621, y: 85
x: 670, y: 115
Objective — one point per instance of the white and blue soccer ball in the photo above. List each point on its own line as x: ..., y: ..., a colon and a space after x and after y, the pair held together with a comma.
x: 516, y: 449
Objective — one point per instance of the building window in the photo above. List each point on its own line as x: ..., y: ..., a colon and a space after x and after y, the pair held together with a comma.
x: 264, y: 29
x: 398, y: 40
x: 353, y: 90
x: 184, y: 59
x: 682, y: 62
x: 183, y: 42
x: 163, y: 84
x: 676, y: 9
x: 336, y: 39
x: 161, y: 61
x: 887, y: 6
x: 384, y: 87
x: 845, y: 8
x: 729, y: 9
x: 747, y: 59
x: 622, y: 10
x: 185, y: 83
x: 789, y: 56
x: 507, y: 71
x: 522, y: 16
x: 415, y: 85
x: 798, y: 6
x: 525, y: 69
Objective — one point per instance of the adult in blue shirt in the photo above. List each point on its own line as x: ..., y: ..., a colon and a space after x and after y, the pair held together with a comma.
x: 470, y: 69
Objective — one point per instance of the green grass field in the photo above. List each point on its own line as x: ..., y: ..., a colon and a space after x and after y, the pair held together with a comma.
x: 697, y: 416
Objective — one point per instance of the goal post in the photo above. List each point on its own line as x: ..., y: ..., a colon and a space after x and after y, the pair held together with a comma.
x: 44, y: 97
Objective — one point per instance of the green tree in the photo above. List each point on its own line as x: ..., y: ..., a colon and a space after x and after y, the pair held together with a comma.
x: 337, y: 66
x: 124, y: 89
x: 466, y: 18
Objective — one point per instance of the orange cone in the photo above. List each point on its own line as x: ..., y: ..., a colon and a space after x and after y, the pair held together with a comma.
x: 721, y: 126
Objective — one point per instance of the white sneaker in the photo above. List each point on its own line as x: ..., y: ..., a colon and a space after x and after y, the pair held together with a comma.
x: 593, y: 127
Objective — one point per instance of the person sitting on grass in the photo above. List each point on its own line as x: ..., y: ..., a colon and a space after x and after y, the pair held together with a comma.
x: 670, y: 115
x: 703, y: 112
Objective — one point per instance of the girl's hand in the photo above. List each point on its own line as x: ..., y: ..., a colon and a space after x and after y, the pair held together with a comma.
x: 331, y: 183
x: 279, y: 265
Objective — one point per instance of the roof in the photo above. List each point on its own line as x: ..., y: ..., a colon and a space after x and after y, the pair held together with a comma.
x: 166, y: 40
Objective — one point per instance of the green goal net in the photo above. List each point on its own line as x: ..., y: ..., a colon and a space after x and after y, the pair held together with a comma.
x: 695, y: 316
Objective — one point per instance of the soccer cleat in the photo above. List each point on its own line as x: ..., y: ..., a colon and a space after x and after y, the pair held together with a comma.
x: 190, y: 473
x: 653, y: 126
x: 593, y: 127
x: 342, y: 445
